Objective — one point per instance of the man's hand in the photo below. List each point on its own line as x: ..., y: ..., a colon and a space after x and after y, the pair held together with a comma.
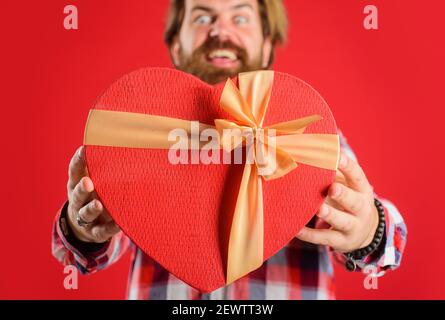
x: 349, y: 211
x: 83, y: 202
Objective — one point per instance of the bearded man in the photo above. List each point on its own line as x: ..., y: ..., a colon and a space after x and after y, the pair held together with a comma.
x: 214, y: 40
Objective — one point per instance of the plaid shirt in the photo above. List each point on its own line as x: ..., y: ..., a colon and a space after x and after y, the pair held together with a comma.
x: 298, y: 271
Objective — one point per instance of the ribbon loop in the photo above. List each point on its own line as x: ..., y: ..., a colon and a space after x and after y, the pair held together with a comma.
x: 279, y: 156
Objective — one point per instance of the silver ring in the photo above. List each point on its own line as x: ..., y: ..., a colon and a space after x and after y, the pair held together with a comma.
x: 81, y: 222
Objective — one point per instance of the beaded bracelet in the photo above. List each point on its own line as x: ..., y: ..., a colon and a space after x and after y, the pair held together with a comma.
x: 358, y: 254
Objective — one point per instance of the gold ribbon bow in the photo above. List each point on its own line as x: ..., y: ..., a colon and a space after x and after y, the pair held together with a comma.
x: 248, y: 106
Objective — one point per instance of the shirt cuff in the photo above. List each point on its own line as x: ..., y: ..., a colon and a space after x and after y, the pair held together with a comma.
x: 72, y: 242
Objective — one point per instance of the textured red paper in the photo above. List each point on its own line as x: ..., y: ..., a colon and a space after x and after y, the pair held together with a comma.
x: 179, y: 215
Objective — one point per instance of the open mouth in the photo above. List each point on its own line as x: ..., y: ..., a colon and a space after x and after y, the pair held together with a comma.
x: 223, y: 58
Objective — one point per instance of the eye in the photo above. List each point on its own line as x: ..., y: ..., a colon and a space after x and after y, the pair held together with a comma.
x: 240, y: 20
x: 203, y: 19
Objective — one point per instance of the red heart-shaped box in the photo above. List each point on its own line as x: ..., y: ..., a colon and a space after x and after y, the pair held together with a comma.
x: 180, y: 215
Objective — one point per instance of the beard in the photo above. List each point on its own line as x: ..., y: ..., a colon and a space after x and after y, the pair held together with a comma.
x: 198, y: 65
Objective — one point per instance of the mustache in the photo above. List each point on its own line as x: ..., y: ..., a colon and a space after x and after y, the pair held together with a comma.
x: 195, y: 65
x: 213, y: 44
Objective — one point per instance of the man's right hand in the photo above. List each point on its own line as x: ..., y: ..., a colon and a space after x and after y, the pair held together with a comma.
x: 83, y: 203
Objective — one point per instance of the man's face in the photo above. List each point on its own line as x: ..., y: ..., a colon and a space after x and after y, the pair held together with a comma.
x: 221, y: 38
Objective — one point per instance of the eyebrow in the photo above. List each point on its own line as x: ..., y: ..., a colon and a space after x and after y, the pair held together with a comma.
x: 242, y: 5
x: 208, y: 9
x: 202, y: 8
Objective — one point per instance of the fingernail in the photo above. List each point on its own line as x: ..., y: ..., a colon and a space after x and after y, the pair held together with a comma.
x: 335, y: 191
x: 323, y: 212
x: 87, y: 184
x: 80, y: 152
x: 97, y: 205
x: 343, y: 161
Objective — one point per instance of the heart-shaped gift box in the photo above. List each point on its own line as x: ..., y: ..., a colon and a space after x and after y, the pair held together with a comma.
x: 182, y: 215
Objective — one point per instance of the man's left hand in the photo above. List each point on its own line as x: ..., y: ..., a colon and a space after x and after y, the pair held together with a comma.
x: 349, y: 211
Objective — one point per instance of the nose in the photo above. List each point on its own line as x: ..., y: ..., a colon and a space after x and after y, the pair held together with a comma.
x: 220, y: 29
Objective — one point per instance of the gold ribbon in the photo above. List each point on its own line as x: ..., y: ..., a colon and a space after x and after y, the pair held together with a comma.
x: 247, y: 105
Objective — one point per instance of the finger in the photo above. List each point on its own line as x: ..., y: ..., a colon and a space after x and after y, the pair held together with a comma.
x: 352, y: 201
x: 81, y: 193
x: 340, y: 177
x: 104, y: 231
x: 320, y: 224
x: 339, y: 220
x: 325, y: 237
x: 353, y: 173
x: 77, y: 168
x: 329, y: 201
x: 91, y: 211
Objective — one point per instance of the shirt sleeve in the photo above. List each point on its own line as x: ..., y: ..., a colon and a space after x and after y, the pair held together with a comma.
x: 87, y: 257
x: 389, y: 254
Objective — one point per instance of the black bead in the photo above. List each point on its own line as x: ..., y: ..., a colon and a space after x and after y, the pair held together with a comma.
x: 350, y: 265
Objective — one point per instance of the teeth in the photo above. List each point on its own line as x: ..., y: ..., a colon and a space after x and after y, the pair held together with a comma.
x: 223, y: 54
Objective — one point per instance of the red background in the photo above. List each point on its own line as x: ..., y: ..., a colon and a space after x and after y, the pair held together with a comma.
x: 385, y: 88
